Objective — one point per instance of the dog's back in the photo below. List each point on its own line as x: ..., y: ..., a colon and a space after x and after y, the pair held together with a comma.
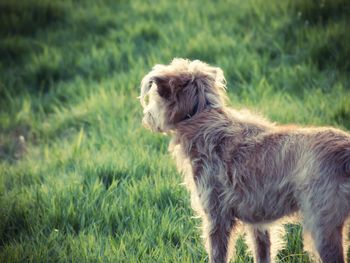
x: 280, y: 164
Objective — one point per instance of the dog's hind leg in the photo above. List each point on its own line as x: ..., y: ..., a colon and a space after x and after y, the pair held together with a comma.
x: 326, y: 229
x: 259, y: 243
x: 346, y: 240
x: 330, y: 246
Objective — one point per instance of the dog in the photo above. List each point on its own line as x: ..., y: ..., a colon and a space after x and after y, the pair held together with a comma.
x: 242, y: 168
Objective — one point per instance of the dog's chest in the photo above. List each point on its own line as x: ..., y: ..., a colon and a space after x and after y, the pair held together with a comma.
x: 185, y: 166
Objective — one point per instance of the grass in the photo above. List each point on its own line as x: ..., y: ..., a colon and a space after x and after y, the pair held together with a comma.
x: 80, y: 179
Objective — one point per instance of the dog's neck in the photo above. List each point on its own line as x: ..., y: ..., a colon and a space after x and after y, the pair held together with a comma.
x: 202, y: 122
x: 218, y: 123
x: 197, y: 109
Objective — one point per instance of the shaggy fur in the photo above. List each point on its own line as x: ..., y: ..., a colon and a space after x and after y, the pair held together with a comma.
x: 243, y: 168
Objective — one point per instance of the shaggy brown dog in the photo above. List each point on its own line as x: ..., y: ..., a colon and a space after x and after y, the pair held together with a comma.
x: 242, y: 168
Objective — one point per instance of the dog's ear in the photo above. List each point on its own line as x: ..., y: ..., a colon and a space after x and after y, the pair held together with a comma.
x: 210, y: 83
x: 159, y: 76
x: 206, y: 89
x: 191, y: 94
x: 163, y: 86
x: 185, y: 101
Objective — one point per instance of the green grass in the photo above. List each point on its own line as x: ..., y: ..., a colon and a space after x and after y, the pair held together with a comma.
x: 89, y: 184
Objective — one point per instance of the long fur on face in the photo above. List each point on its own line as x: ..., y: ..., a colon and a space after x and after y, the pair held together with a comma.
x: 241, y: 168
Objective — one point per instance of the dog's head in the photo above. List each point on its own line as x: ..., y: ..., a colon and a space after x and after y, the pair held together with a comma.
x: 175, y: 92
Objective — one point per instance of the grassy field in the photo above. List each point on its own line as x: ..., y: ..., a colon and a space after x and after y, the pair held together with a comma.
x: 80, y: 179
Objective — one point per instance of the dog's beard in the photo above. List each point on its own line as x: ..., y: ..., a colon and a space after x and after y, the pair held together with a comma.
x: 149, y: 122
x: 153, y: 118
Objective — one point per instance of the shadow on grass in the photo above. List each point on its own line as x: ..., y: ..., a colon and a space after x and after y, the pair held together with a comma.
x: 107, y: 175
x: 329, y: 20
x: 16, y: 218
x: 27, y: 17
x: 21, y: 20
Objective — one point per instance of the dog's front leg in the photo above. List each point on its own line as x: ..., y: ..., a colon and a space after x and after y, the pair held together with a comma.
x: 218, y: 226
x: 219, y: 235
